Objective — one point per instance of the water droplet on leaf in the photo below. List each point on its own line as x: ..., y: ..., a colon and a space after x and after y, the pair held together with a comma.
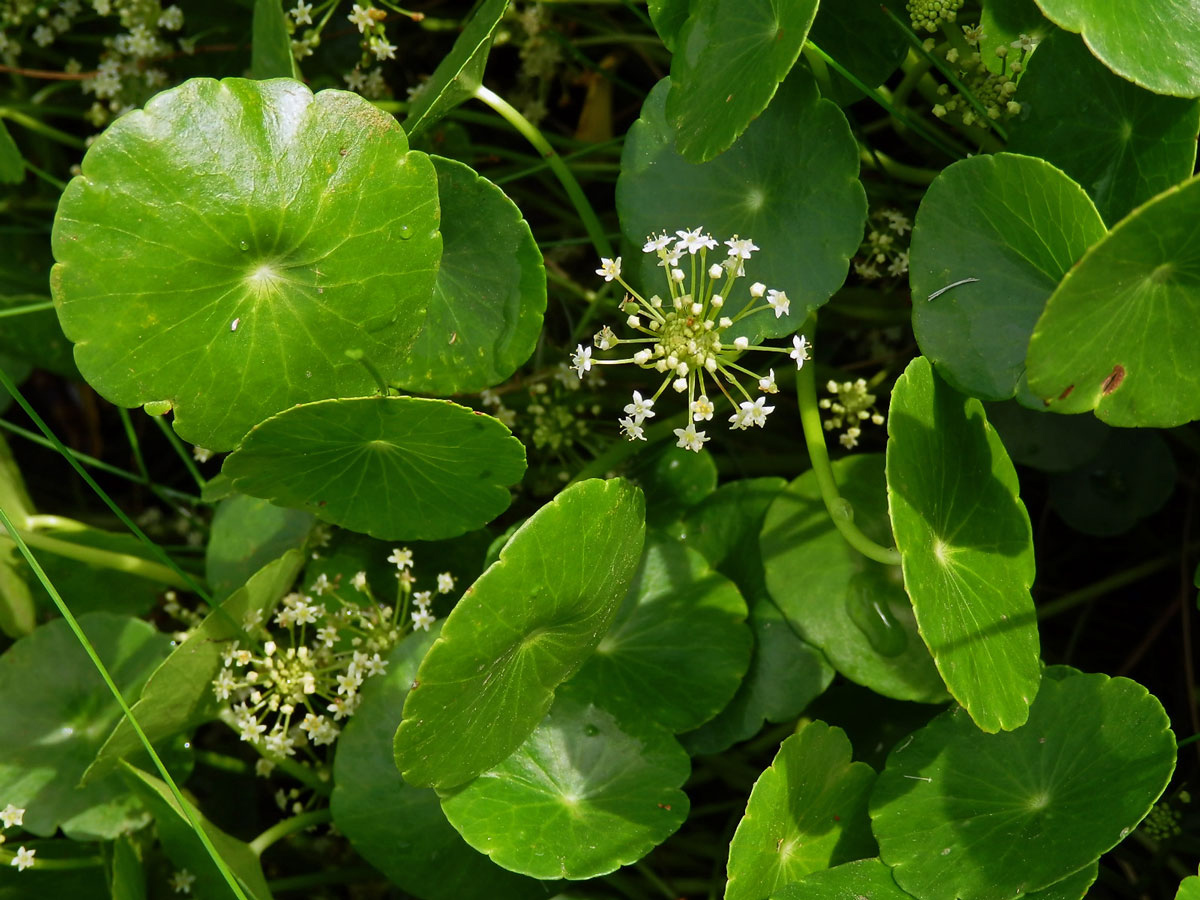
x: 405, y: 232
x: 243, y: 245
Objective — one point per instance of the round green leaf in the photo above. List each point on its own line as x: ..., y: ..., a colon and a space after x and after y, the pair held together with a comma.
x: 966, y: 547
x: 524, y: 627
x: 57, y: 713
x: 963, y: 814
x: 1121, y: 143
x: 1131, y: 477
x: 1155, y: 44
x: 224, y: 247
x: 730, y: 56
x: 582, y: 796
x: 487, y: 306
x: 668, y: 17
x: 1189, y: 889
x: 396, y: 468
x: 1014, y: 224
x: 677, y: 649
x: 1118, y: 335
x: 1046, y: 442
x: 247, y: 533
x: 807, y: 812
x: 725, y: 526
x: 673, y: 480
x: 790, y: 183
x: 851, y: 607
x: 863, y: 878
x: 401, y: 829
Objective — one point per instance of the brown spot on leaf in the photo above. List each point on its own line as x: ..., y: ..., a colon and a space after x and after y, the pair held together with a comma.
x: 1067, y: 393
x: 1113, y: 381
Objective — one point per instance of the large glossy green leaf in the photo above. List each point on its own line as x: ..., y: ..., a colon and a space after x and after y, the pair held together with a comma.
x: 460, y: 72
x: 401, y: 829
x: 730, y: 56
x: 224, y: 247
x: 1118, y: 335
x: 523, y: 628
x: 963, y: 814
x: 851, y: 607
x: 668, y: 17
x: 178, y: 696
x: 582, y: 796
x: 396, y: 468
x: 677, y: 649
x: 56, y: 712
x: 790, y: 184
x: 1155, y: 44
x: 271, y: 45
x: 807, y: 812
x: 966, y: 547
x: 247, y: 533
x: 1013, y: 223
x: 487, y: 306
x: 184, y: 848
x: 1123, y: 144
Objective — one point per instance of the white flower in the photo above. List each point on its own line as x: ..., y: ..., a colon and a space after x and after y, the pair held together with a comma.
x: 12, y: 816
x: 654, y: 244
x: 756, y: 412
x: 445, y: 582
x: 692, y: 241
x: 321, y: 585
x: 767, y: 385
x: 172, y: 18
x: 402, y: 557
x: 640, y: 409
x: 382, y: 49
x: 715, y: 271
x: 779, y: 302
x: 423, y: 598
x: 670, y: 257
x: 249, y: 728
x: 757, y: 290
x: 280, y: 744
x: 702, y: 408
x: 609, y: 268
x: 740, y: 249
x: 800, y: 350
x: 302, y: 14
x: 355, y: 79
x: 690, y: 438
x: 633, y: 429
x: 23, y: 858
x: 741, y: 343
x: 581, y: 360
x: 361, y: 17
x: 739, y: 421
x: 359, y: 581
x: 43, y: 36
x: 422, y: 618
x: 263, y: 768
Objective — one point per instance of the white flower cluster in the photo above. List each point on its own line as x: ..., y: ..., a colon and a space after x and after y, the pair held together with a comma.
x: 298, y: 681
x: 13, y: 817
x: 851, y: 406
x: 686, y: 337
x: 885, y: 249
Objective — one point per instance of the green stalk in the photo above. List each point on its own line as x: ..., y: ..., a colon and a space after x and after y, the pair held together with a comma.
x: 876, y: 159
x: 839, y: 508
x: 108, y: 559
x: 282, y: 829
x: 180, y: 451
x: 529, y: 131
x: 73, y: 624
x: 42, y: 864
x: 39, y: 127
x: 27, y: 308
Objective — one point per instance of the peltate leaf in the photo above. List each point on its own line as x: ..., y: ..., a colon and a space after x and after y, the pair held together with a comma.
x: 246, y: 534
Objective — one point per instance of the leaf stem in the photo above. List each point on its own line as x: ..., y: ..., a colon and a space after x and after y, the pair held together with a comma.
x: 27, y: 308
x: 283, y: 828
x: 95, y: 556
x: 58, y: 864
x: 839, y: 508
x: 180, y: 451
x: 41, y: 128
x: 86, y: 644
x: 529, y: 131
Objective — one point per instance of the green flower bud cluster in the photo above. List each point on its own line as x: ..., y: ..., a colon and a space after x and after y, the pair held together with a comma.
x: 852, y: 406
x: 884, y: 251
x: 1161, y: 823
x: 928, y: 14
x: 993, y: 91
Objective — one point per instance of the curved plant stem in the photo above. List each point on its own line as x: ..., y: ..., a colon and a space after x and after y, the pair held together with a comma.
x: 86, y: 644
x: 560, y: 169
x: 875, y: 159
x: 839, y: 508
x: 280, y: 830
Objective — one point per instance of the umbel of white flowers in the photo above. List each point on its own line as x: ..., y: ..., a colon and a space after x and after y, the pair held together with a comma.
x: 686, y: 336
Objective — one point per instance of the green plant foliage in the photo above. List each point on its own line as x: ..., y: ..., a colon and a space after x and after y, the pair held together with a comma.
x: 35, y: 337
x: 511, y: 640
x: 1115, y: 336
x: 271, y: 47
x: 85, y: 883
x: 178, y: 695
x: 852, y: 608
x: 1003, y: 814
x: 259, y: 259
x: 1120, y: 142
x: 966, y: 545
x: 56, y: 714
x: 807, y: 812
x: 674, y: 480
x: 807, y: 225
x: 490, y: 294
x: 858, y: 34
x: 396, y: 468
x: 128, y: 878
x: 460, y: 72
x: 864, y: 877
x: 1046, y: 442
x: 668, y: 17
x: 677, y: 649
x: 186, y: 851
x: 1189, y: 889
x: 1015, y: 225
x: 12, y: 166
x: 398, y: 828
x: 247, y: 533
x: 730, y: 57
x: 1131, y: 477
x: 1158, y: 47
x: 582, y: 796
